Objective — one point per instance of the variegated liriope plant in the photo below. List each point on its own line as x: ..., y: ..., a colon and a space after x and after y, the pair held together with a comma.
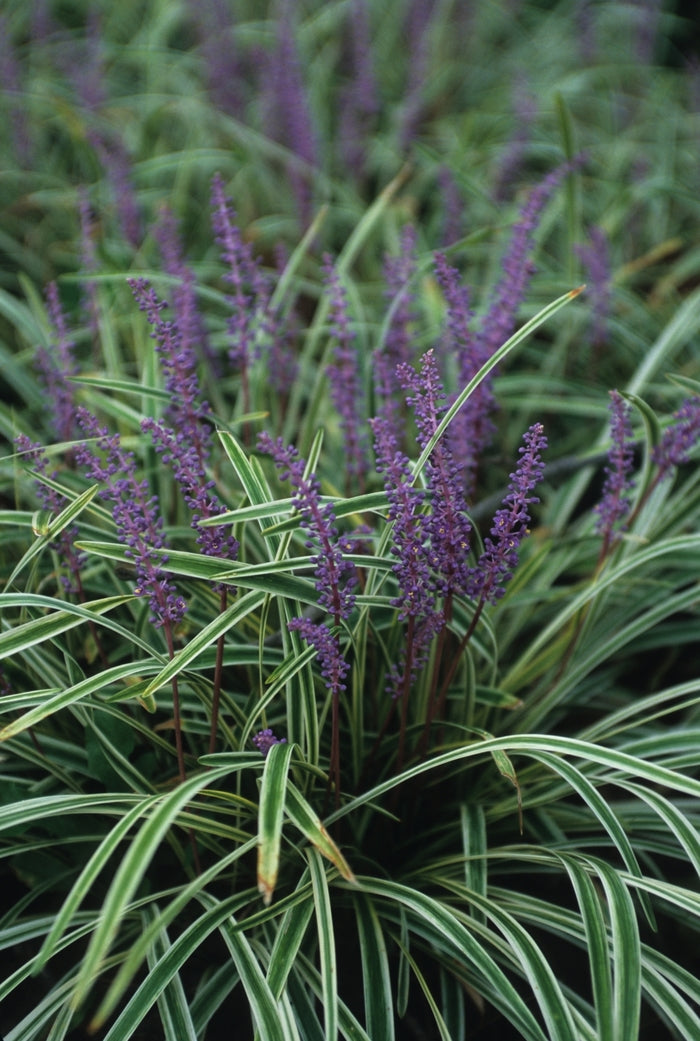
x: 349, y: 684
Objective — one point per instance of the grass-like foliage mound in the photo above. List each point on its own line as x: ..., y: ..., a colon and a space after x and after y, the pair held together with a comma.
x: 349, y: 521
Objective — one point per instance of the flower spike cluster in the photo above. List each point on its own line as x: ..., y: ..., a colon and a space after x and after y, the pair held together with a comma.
x: 344, y: 375
x: 265, y: 739
x: 448, y: 527
x: 136, y: 516
x: 679, y: 438
x: 335, y: 576
x: 615, y: 503
x: 183, y: 441
x: 510, y: 524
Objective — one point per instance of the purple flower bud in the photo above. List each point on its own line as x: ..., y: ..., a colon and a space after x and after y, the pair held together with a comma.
x: 615, y: 502
x: 136, y: 516
x: 57, y: 366
x: 679, y: 438
x: 510, y: 524
x: 265, y: 739
x: 398, y: 345
x: 335, y: 576
x: 448, y: 526
x: 344, y: 376
x: 594, y: 255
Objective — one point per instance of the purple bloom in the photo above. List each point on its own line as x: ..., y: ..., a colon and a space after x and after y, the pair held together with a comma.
x: 453, y: 227
x: 288, y: 117
x: 52, y: 501
x: 510, y: 524
x: 249, y: 297
x: 525, y: 112
x: 335, y: 576
x: 183, y: 441
x: 679, y: 438
x: 89, y: 76
x: 416, y: 599
x: 344, y: 375
x: 265, y: 739
x: 596, y: 261
x: 11, y: 87
x: 517, y: 266
x: 359, y: 101
x: 57, y: 365
x: 472, y: 427
x: 615, y: 503
x: 398, y: 345
x: 136, y: 516
x: 89, y: 263
x: 218, y: 43
x: 187, y: 314
x: 416, y: 37
x: 448, y: 526
x: 334, y: 668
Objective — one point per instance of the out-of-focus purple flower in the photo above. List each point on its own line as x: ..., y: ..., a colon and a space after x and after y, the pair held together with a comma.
x: 89, y: 78
x: 525, y: 113
x: 136, y: 515
x: 56, y: 366
x: 648, y: 13
x: 516, y: 265
x: 221, y: 60
x: 417, y: 592
x: 249, y: 296
x: 679, y: 438
x: 287, y: 115
x: 335, y: 575
x: 595, y: 257
x: 517, y: 268
x: 344, y: 376
x: 52, y: 501
x: 416, y: 38
x: 398, y: 345
x: 453, y: 207
x: 510, y: 524
x: 447, y: 526
x: 359, y: 100
x: 187, y: 315
x: 615, y: 503
x: 265, y: 739
x: 89, y: 263
x: 472, y: 427
x: 586, y: 31
x: 183, y: 437
x: 11, y: 87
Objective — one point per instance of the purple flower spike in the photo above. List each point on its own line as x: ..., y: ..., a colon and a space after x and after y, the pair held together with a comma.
x: 288, y: 115
x: 136, y: 516
x: 398, y: 346
x: 183, y: 441
x: 265, y: 739
x: 510, y: 525
x: 448, y: 527
x: 344, y: 375
x: 472, y: 427
x: 335, y: 576
x: 679, y: 439
x: 595, y: 258
x: 249, y: 294
x: 57, y: 365
x: 615, y: 504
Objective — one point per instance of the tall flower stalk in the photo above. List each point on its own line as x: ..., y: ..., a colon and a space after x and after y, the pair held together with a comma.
x: 335, y: 583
